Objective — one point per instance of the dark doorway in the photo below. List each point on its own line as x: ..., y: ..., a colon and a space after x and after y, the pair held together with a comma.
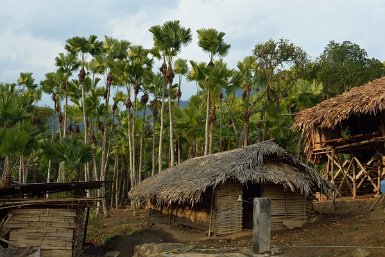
x: 249, y: 192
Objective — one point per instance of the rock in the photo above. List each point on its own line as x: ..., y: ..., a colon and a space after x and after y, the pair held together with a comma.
x: 274, y: 250
x: 151, y: 249
x: 200, y: 255
x: 246, y: 251
x: 112, y: 254
x: 292, y: 224
x: 361, y: 252
x: 314, y: 219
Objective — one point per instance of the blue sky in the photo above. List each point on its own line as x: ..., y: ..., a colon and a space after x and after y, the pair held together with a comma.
x: 33, y: 32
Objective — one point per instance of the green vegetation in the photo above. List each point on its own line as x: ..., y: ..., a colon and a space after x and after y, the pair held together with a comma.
x: 116, y: 116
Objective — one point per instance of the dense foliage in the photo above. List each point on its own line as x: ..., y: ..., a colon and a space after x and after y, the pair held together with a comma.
x: 118, y: 116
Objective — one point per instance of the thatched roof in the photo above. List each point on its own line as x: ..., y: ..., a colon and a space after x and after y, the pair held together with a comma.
x: 260, y: 163
x: 366, y: 99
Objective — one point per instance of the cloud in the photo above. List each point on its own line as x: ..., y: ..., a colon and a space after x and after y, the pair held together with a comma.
x: 24, y: 53
x: 32, y: 33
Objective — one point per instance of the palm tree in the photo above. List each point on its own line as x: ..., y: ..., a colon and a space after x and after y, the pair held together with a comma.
x: 73, y: 153
x: 181, y: 68
x: 137, y: 68
x: 188, y: 123
x: 217, y: 78
x: 169, y: 39
x: 17, y: 131
x: 211, y: 41
x: 83, y: 46
x: 66, y: 63
x: 245, y: 78
x: 155, y: 86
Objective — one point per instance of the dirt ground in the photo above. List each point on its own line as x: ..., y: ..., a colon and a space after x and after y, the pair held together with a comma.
x: 345, y: 228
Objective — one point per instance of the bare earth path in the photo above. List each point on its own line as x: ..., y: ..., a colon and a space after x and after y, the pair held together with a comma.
x: 346, y: 228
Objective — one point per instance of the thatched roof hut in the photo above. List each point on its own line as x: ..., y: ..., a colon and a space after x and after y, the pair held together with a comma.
x: 260, y: 163
x: 194, y: 181
x: 341, y: 111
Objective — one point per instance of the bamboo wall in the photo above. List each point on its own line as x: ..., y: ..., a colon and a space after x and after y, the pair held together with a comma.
x: 286, y: 205
x: 193, y: 217
x: 50, y: 229
x: 228, y: 210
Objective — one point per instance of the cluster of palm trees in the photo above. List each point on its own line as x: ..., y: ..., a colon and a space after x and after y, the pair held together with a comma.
x: 110, y: 103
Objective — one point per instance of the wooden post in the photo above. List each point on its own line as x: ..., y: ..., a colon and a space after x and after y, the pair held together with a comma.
x: 379, y: 179
x: 332, y: 168
x: 86, y: 225
x: 354, y: 183
x: 211, y: 213
x: 261, y: 224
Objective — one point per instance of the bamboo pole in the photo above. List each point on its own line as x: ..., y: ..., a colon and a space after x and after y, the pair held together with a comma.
x: 354, y: 183
x: 211, y: 213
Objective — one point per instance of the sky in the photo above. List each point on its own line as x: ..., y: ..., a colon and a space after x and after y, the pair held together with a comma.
x: 33, y: 32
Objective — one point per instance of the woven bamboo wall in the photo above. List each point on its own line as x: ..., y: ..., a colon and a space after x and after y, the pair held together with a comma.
x: 50, y: 229
x: 200, y: 217
x: 228, y: 210
x: 285, y: 205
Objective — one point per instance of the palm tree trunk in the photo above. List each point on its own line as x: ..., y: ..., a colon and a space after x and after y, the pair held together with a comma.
x: 211, y: 137
x: 49, y: 171
x: 141, y: 145
x: 115, y: 184
x: 178, y: 140
x: 161, y: 133
x: 133, y: 142
x: 86, y: 166
x: 207, y: 123
x: 171, y: 124
x: 245, y: 133
x: 20, y: 169
x: 153, y: 147
x: 65, y: 112
x: 220, y: 124
x: 263, y: 124
x: 131, y: 149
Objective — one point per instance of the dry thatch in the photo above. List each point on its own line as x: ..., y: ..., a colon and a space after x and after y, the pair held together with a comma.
x: 363, y: 100
x: 260, y: 163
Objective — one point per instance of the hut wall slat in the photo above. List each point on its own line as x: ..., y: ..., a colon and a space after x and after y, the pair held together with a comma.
x: 191, y: 214
x: 286, y: 205
x: 228, y: 211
